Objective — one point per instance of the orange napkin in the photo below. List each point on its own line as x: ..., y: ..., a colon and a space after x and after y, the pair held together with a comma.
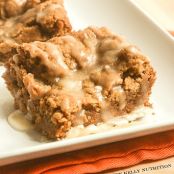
x: 100, y: 158
x: 172, y: 33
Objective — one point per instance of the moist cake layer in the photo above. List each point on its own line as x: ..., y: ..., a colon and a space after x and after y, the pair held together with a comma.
x: 80, y: 78
x: 30, y: 20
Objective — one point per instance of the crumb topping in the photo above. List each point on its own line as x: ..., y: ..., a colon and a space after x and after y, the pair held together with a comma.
x: 23, y: 21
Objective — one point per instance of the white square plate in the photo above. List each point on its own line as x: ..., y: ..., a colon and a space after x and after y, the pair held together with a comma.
x: 122, y: 17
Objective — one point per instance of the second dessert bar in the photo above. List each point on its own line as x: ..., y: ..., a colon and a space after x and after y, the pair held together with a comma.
x: 32, y: 21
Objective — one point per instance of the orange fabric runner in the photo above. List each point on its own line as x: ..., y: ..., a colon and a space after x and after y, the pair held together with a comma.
x: 100, y: 158
x: 172, y: 33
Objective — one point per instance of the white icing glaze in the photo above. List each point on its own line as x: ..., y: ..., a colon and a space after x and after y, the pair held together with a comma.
x: 20, y: 2
x: 77, y: 50
x: 58, y: 68
x: 35, y: 88
x: 122, y: 101
x: 71, y: 85
x: 6, y: 29
x: 141, y: 114
x: 47, y: 10
x: 79, y: 118
x: 134, y: 49
x: 118, y: 89
x: 99, y: 95
x: 21, y: 122
x: 55, y: 52
x: 18, y: 121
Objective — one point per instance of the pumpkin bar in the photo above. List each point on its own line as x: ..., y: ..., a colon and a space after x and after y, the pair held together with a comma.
x: 80, y: 78
x: 30, y: 20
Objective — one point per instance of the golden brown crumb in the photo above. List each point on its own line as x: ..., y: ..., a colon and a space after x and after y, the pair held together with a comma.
x: 32, y: 20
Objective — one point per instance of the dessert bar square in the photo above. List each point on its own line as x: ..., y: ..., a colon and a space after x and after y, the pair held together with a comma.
x: 30, y: 20
x: 81, y: 78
